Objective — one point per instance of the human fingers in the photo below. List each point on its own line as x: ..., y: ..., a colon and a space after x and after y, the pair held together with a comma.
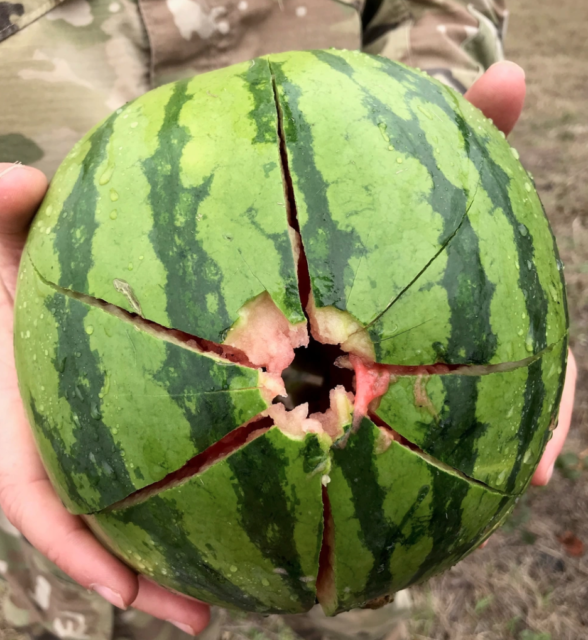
x: 21, y: 191
x: 189, y: 615
x: 554, y: 446
x: 29, y: 501
x: 500, y: 94
x: 31, y: 505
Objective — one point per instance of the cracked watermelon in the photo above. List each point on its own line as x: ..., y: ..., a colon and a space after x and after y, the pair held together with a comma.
x: 293, y: 331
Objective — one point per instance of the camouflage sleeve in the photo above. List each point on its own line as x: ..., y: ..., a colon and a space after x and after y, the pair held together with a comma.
x: 453, y: 40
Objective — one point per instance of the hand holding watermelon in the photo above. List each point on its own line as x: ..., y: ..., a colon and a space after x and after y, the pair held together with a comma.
x: 26, y: 494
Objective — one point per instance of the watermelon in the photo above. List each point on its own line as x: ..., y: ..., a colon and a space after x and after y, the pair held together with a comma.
x: 293, y: 331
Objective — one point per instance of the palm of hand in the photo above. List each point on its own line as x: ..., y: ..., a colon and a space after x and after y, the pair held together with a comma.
x: 26, y: 495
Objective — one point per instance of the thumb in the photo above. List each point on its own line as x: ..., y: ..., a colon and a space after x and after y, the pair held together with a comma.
x: 500, y: 94
x: 21, y: 191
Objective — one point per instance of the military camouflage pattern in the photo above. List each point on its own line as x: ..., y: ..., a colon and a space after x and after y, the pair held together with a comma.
x: 452, y: 40
x: 79, y: 60
x: 41, y: 598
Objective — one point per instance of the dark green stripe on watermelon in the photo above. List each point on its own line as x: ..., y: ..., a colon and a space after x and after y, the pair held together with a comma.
x: 74, y: 250
x: 65, y: 474
x: 196, y: 385
x: 399, y: 516
x: 244, y: 533
x: 263, y: 112
x: 180, y: 564
x: 264, y: 510
x: 472, y: 339
x: 357, y: 462
x: 95, y: 456
x: 175, y: 213
x: 406, y: 136
x: 495, y: 181
x: 496, y: 290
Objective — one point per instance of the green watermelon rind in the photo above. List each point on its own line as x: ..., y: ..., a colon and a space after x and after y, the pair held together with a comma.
x: 185, y: 249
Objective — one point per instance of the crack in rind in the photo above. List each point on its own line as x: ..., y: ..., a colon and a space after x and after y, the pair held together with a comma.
x: 467, y: 369
x: 403, y: 441
x: 325, y: 578
x: 426, y: 267
x: 326, y: 594
x: 303, y: 273
x: 224, y: 354
x: 217, y: 452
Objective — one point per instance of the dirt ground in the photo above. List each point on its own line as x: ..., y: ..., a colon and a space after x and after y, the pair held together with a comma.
x: 526, y: 584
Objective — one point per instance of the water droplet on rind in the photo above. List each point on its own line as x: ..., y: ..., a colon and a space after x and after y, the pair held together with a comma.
x: 553, y: 293
x: 425, y: 112
x: 529, y: 344
x: 105, y: 177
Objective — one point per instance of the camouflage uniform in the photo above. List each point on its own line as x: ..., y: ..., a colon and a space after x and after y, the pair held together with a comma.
x: 64, y: 65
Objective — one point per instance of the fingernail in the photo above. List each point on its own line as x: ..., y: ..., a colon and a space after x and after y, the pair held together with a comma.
x: 183, y: 627
x: 108, y: 594
x: 549, y: 473
x: 510, y: 63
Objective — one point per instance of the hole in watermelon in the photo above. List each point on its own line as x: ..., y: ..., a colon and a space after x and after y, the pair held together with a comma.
x: 215, y: 453
x: 312, y: 374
